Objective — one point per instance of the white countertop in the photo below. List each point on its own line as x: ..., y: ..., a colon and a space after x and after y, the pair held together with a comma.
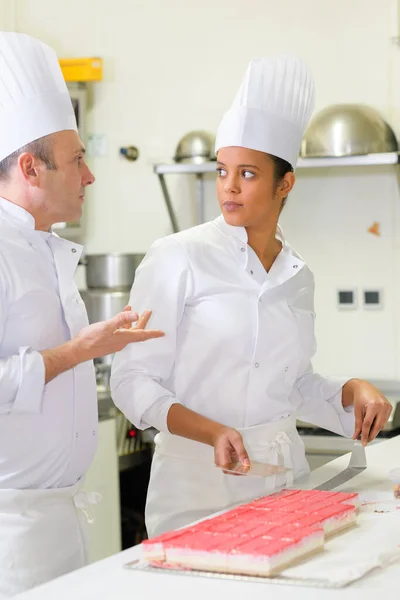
x: 108, y: 580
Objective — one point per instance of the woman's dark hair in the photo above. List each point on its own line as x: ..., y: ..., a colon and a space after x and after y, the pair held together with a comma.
x: 281, y: 167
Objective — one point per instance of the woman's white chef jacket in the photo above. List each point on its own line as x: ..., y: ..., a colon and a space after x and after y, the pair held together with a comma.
x: 239, y: 340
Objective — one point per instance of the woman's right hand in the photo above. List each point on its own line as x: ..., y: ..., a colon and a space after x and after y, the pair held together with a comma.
x: 229, y: 448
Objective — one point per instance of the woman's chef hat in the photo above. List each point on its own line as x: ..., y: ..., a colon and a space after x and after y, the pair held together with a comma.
x: 34, y: 99
x: 272, y: 108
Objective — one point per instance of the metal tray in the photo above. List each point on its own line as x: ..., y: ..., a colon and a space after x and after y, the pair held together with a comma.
x: 141, y: 565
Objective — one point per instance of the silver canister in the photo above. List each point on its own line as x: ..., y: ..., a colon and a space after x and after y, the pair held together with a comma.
x: 102, y: 305
x: 111, y: 271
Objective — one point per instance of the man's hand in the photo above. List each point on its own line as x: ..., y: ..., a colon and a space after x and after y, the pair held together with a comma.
x: 229, y: 448
x: 371, y: 408
x: 98, y: 340
x: 108, y: 337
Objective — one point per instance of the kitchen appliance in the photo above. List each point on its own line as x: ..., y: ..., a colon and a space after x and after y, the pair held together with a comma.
x: 111, y: 271
x: 347, y: 130
x: 196, y: 147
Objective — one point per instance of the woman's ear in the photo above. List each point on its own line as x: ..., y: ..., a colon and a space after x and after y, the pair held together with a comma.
x: 286, y: 184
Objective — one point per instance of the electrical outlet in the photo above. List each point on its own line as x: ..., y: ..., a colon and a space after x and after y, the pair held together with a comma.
x: 373, y: 299
x: 97, y: 145
x: 347, y: 299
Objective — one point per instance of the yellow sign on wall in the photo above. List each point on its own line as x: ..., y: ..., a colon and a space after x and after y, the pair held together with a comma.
x: 82, y: 69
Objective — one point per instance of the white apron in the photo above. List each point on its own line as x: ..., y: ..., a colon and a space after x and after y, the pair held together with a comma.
x: 185, y: 485
x: 43, y: 534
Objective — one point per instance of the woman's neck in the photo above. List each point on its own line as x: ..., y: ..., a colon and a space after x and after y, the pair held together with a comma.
x: 264, y: 243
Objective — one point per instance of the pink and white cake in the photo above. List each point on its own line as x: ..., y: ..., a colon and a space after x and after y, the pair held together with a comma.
x: 332, y: 518
x: 258, y: 538
x: 245, y: 555
x: 154, y: 549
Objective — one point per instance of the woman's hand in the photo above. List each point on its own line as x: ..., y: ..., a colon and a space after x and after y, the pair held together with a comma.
x: 229, y: 448
x: 371, y: 408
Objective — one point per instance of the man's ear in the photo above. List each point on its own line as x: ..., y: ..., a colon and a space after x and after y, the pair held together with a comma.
x: 30, y: 167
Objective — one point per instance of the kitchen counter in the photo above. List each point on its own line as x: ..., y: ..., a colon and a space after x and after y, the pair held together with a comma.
x: 108, y: 579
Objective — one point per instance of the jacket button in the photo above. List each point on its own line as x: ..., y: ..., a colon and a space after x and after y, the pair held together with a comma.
x: 256, y: 365
x: 242, y: 249
x: 73, y: 250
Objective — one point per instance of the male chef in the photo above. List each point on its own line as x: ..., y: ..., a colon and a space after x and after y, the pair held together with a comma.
x: 48, y: 403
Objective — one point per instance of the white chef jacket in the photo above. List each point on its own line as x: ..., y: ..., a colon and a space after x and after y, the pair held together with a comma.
x: 48, y: 432
x: 239, y: 340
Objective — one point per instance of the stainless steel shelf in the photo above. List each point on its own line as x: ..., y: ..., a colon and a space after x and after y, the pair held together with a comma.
x: 185, y: 168
x: 367, y: 160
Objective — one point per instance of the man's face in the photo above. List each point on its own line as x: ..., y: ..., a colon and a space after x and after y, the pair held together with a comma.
x: 64, y: 187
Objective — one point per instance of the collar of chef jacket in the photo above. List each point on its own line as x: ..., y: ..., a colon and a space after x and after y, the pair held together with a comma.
x: 66, y: 254
x: 287, y: 264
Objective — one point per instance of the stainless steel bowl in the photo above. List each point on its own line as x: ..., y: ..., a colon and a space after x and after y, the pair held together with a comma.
x: 347, y: 130
x: 196, y: 147
x: 104, y: 304
x: 100, y: 306
x: 111, y: 271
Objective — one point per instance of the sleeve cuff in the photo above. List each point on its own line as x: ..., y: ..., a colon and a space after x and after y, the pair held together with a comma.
x: 156, y: 416
x: 346, y: 415
x: 32, y: 382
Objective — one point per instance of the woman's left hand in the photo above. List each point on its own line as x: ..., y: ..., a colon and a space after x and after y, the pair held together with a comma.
x: 371, y: 408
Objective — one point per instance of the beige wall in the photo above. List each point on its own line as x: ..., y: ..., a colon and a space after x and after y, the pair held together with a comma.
x: 7, y: 15
x: 174, y: 65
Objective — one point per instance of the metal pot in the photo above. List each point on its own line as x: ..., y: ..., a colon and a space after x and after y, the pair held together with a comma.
x: 196, y: 147
x: 104, y: 304
x: 111, y: 271
x: 348, y: 130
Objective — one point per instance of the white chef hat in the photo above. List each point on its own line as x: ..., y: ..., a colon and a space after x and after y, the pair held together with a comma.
x: 272, y: 108
x: 34, y: 99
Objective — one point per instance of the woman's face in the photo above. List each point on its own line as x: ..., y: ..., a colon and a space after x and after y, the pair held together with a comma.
x: 246, y: 189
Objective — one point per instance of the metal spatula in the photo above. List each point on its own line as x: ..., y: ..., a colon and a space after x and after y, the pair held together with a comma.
x: 357, y: 464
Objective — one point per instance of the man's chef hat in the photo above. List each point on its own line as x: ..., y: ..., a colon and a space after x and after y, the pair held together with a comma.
x: 34, y: 99
x: 271, y: 110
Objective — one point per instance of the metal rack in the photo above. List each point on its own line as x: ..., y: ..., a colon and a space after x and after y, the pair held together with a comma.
x: 199, y: 170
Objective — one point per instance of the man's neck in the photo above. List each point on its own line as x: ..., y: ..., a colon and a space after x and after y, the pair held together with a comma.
x: 8, y: 193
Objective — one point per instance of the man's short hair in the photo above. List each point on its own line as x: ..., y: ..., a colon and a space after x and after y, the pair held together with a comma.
x: 41, y: 148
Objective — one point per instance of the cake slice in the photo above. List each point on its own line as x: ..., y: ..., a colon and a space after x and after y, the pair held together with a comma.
x: 272, y: 498
x: 154, y: 548
x: 193, y: 549
x: 264, y: 556
x: 331, y: 518
x: 342, y: 497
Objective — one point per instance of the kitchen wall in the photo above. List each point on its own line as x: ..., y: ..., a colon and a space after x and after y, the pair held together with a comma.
x: 174, y: 65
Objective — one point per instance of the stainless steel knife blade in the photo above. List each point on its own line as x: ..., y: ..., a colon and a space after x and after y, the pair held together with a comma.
x: 357, y: 464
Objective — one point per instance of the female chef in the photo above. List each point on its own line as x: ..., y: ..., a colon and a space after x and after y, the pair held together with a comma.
x: 233, y: 371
